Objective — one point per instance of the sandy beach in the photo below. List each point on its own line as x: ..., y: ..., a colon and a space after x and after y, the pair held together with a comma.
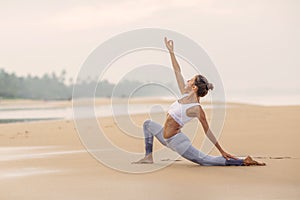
x: 46, y: 160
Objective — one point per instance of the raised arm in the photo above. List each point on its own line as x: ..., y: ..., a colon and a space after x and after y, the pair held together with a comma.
x: 202, y: 118
x: 176, y: 67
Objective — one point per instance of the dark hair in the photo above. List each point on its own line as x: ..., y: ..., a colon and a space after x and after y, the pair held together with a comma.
x: 203, y: 85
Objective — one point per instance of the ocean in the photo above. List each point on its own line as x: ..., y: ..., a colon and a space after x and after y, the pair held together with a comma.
x: 26, y: 113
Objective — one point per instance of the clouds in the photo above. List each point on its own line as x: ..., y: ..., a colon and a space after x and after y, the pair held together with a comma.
x: 81, y: 15
x: 110, y: 14
x: 100, y: 15
x: 241, y: 37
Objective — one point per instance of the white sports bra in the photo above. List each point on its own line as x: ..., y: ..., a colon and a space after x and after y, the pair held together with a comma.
x: 178, y: 111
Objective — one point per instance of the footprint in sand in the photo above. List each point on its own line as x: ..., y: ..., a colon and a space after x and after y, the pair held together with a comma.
x: 167, y: 159
x: 274, y: 157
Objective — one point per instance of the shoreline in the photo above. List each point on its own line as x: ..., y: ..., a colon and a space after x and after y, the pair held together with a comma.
x: 32, y: 105
x: 104, y: 101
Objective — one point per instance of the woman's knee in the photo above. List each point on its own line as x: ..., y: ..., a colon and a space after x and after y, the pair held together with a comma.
x: 147, y: 133
x: 152, y: 127
x: 146, y: 123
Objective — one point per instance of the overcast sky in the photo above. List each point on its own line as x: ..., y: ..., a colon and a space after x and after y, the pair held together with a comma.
x: 254, y: 44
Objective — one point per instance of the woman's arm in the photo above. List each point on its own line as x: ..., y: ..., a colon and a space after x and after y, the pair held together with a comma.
x: 176, y: 67
x: 202, y: 118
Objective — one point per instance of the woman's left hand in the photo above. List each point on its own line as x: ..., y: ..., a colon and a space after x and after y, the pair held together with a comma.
x: 169, y: 45
x: 227, y: 156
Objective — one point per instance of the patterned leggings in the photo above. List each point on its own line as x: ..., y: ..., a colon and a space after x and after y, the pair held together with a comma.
x: 181, y: 144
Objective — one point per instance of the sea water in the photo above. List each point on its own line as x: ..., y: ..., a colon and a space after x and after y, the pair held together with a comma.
x: 25, y: 113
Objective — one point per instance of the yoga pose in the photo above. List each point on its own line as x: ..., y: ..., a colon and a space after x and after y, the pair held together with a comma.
x: 179, y: 113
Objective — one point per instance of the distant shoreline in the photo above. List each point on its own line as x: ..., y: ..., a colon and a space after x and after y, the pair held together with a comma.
x: 29, y: 111
x: 6, y: 103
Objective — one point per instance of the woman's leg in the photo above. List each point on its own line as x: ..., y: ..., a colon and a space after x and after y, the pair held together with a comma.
x: 199, y: 157
x: 152, y: 129
x: 182, y: 145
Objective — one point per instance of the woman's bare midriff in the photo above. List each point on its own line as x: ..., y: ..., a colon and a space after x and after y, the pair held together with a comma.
x: 171, y: 127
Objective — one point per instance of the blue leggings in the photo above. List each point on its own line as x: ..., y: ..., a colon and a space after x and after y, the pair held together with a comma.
x: 181, y: 144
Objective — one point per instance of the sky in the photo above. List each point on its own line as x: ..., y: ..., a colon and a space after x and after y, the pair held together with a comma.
x: 254, y: 44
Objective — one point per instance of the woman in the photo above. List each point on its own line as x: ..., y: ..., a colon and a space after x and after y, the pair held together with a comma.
x: 182, y: 111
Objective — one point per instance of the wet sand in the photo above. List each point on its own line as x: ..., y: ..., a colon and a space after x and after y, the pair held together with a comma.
x: 46, y: 160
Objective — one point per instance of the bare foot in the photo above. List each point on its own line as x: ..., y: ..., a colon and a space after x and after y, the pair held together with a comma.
x: 249, y: 161
x: 146, y: 160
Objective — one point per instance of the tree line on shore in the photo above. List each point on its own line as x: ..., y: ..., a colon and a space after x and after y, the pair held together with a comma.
x: 54, y: 87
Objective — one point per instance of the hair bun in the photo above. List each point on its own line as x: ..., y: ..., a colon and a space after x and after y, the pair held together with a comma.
x: 210, y: 86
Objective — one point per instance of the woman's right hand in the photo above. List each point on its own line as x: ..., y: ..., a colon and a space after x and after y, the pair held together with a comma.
x: 227, y: 156
x: 169, y: 45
